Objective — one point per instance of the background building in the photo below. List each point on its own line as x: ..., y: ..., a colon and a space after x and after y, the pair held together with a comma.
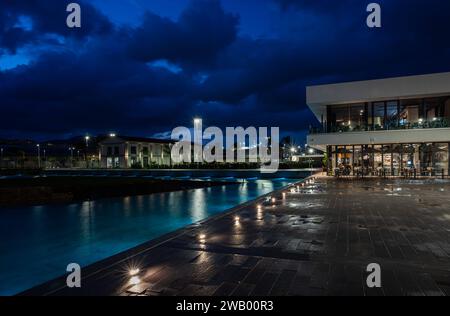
x: 397, y: 126
x: 134, y: 152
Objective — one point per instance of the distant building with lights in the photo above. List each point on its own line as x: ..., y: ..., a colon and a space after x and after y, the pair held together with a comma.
x: 134, y: 152
x: 395, y: 127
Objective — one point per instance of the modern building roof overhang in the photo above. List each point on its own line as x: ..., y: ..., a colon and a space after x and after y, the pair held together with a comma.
x: 411, y: 87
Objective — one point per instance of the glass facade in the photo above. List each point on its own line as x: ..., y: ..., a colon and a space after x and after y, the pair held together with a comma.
x: 388, y: 115
x: 405, y: 160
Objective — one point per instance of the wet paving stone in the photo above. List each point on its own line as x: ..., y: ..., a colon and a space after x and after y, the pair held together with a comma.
x: 315, y: 242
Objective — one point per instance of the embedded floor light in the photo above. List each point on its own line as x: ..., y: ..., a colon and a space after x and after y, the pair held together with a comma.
x: 134, y: 272
x: 202, y: 238
x: 135, y: 280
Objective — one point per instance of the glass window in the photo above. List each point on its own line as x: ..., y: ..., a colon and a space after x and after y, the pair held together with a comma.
x: 378, y: 159
x: 109, y: 151
x: 387, y: 159
x: 345, y: 118
x: 109, y: 163
x: 392, y: 115
x: 378, y: 116
x: 116, y: 151
x: 426, y: 158
x: 133, y: 150
x: 440, y: 158
x: 146, y: 162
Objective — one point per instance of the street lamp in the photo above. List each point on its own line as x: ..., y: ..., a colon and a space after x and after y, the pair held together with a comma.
x: 39, y: 155
x: 1, y: 165
x: 71, y: 156
x: 87, y: 138
x: 310, y: 151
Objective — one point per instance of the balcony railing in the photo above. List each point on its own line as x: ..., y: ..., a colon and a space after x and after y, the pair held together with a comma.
x: 435, y: 123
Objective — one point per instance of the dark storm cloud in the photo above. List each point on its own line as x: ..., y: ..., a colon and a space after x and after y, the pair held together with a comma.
x: 102, y: 77
x: 202, y: 31
x: 45, y: 17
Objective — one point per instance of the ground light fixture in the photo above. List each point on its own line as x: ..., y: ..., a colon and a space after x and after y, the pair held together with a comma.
x: 134, y: 272
x: 202, y: 238
x: 135, y: 280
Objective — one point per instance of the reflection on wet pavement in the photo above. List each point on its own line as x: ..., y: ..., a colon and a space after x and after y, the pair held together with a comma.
x: 315, y: 239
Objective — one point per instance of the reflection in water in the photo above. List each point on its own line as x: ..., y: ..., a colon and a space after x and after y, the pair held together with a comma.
x: 37, y: 243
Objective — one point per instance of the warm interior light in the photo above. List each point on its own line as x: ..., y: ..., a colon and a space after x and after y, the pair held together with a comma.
x: 274, y: 200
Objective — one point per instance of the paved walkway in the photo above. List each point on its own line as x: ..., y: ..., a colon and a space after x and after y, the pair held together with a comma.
x: 318, y: 241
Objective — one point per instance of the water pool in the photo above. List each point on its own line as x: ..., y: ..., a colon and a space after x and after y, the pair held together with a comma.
x: 37, y: 243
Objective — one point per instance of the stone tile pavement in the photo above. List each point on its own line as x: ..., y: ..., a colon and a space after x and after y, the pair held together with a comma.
x: 317, y: 241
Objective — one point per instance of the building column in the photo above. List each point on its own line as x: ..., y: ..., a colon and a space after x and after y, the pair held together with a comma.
x: 448, y: 159
x: 392, y: 160
x: 401, y: 159
x: 366, y: 116
x: 420, y: 160
x: 336, y: 157
x: 372, y: 104
x: 433, y: 171
x: 353, y: 160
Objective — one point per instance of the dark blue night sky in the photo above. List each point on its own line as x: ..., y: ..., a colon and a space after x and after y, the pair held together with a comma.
x: 143, y: 67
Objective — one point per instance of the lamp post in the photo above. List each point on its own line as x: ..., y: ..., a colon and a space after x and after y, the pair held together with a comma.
x: 1, y: 165
x: 87, y: 138
x: 39, y: 155
x: 310, y: 151
x: 71, y: 156
x: 293, y: 152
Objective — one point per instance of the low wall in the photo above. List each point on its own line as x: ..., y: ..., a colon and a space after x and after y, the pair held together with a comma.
x: 192, y: 173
